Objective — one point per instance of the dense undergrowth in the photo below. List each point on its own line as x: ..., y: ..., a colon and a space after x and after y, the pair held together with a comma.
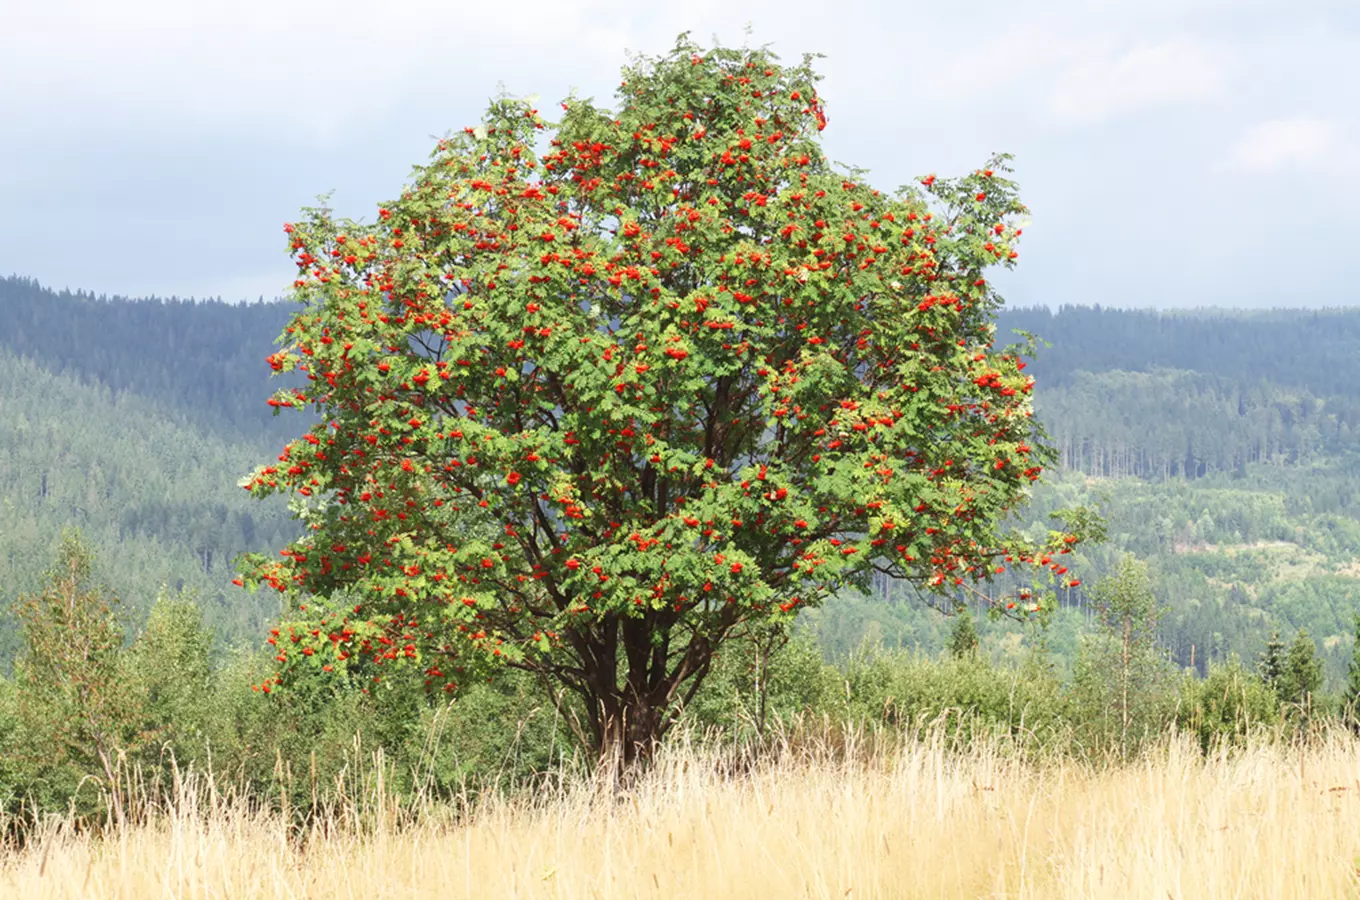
x: 102, y: 737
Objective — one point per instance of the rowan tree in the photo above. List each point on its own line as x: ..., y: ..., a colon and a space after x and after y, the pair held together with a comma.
x: 600, y: 394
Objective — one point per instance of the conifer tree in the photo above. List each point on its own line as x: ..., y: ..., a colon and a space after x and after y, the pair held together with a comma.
x: 963, y: 640
x: 1351, y: 699
x: 1270, y: 665
x: 73, y: 697
x: 1302, y: 676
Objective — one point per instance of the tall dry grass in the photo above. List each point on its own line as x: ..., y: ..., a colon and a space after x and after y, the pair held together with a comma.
x: 862, y: 816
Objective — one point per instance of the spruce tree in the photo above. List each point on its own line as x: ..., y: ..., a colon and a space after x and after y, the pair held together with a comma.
x: 963, y: 640
x: 1351, y: 699
x: 72, y: 691
x: 1270, y: 665
x: 1302, y: 677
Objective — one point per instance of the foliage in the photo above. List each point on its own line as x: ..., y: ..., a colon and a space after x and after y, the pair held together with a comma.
x: 118, y: 415
x: 152, y: 495
x: 1121, y: 677
x: 963, y: 640
x: 1271, y: 665
x: 759, y: 684
x: 1225, y: 707
x: 968, y: 696
x: 1220, y: 445
x: 302, y: 750
x: 170, y: 672
x: 1301, y: 677
x: 1234, y: 558
x: 75, y: 709
x: 593, y: 414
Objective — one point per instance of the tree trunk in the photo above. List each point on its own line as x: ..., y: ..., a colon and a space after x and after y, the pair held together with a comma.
x: 629, y: 734
x: 628, y: 719
x: 1124, y: 676
x: 762, y: 689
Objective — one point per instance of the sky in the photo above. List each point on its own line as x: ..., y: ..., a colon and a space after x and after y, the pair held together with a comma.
x: 1174, y: 153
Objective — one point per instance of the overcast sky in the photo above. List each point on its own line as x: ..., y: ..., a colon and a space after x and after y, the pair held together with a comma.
x: 1173, y: 152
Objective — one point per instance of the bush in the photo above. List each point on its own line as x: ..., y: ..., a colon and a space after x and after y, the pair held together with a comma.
x: 761, y: 683
x: 169, y: 669
x: 1226, y: 706
x: 906, y: 689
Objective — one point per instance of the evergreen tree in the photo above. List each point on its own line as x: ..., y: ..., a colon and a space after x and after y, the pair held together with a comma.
x: 963, y: 640
x: 1270, y: 666
x: 73, y: 696
x: 1302, y: 673
x: 1351, y: 699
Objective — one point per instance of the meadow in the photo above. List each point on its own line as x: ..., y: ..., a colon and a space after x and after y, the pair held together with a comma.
x: 844, y: 814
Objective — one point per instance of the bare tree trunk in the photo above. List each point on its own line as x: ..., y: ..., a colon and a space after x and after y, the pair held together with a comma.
x: 628, y: 720
x: 762, y: 676
x: 1124, y: 676
x: 106, y: 763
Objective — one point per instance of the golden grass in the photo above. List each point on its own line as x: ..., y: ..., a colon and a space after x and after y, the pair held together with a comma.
x: 908, y: 820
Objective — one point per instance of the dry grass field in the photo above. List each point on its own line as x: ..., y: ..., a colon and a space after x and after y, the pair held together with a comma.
x: 908, y: 820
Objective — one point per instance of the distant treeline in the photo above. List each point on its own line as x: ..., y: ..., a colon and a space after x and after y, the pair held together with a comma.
x: 1184, y: 394
x: 1317, y: 350
x: 136, y: 418
x: 204, y: 358
x: 1273, y: 386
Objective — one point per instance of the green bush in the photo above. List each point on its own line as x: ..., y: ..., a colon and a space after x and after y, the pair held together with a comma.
x: 160, y: 702
x: 1225, y: 706
x: 758, y: 684
x: 906, y: 689
x: 169, y: 669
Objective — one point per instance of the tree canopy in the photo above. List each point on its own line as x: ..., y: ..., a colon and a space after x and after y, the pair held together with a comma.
x: 598, y: 395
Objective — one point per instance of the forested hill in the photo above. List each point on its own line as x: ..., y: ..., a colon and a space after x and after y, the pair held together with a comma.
x: 1186, y: 394
x: 202, y: 358
x: 1316, y: 350
x: 134, y: 419
x: 1269, y: 385
x: 1221, y: 445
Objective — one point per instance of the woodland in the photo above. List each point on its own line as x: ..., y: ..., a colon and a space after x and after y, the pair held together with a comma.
x: 1219, y: 446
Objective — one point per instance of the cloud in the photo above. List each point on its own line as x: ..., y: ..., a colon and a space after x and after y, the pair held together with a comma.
x: 170, y: 140
x: 311, y: 66
x: 1174, y: 71
x: 1301, y: 142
